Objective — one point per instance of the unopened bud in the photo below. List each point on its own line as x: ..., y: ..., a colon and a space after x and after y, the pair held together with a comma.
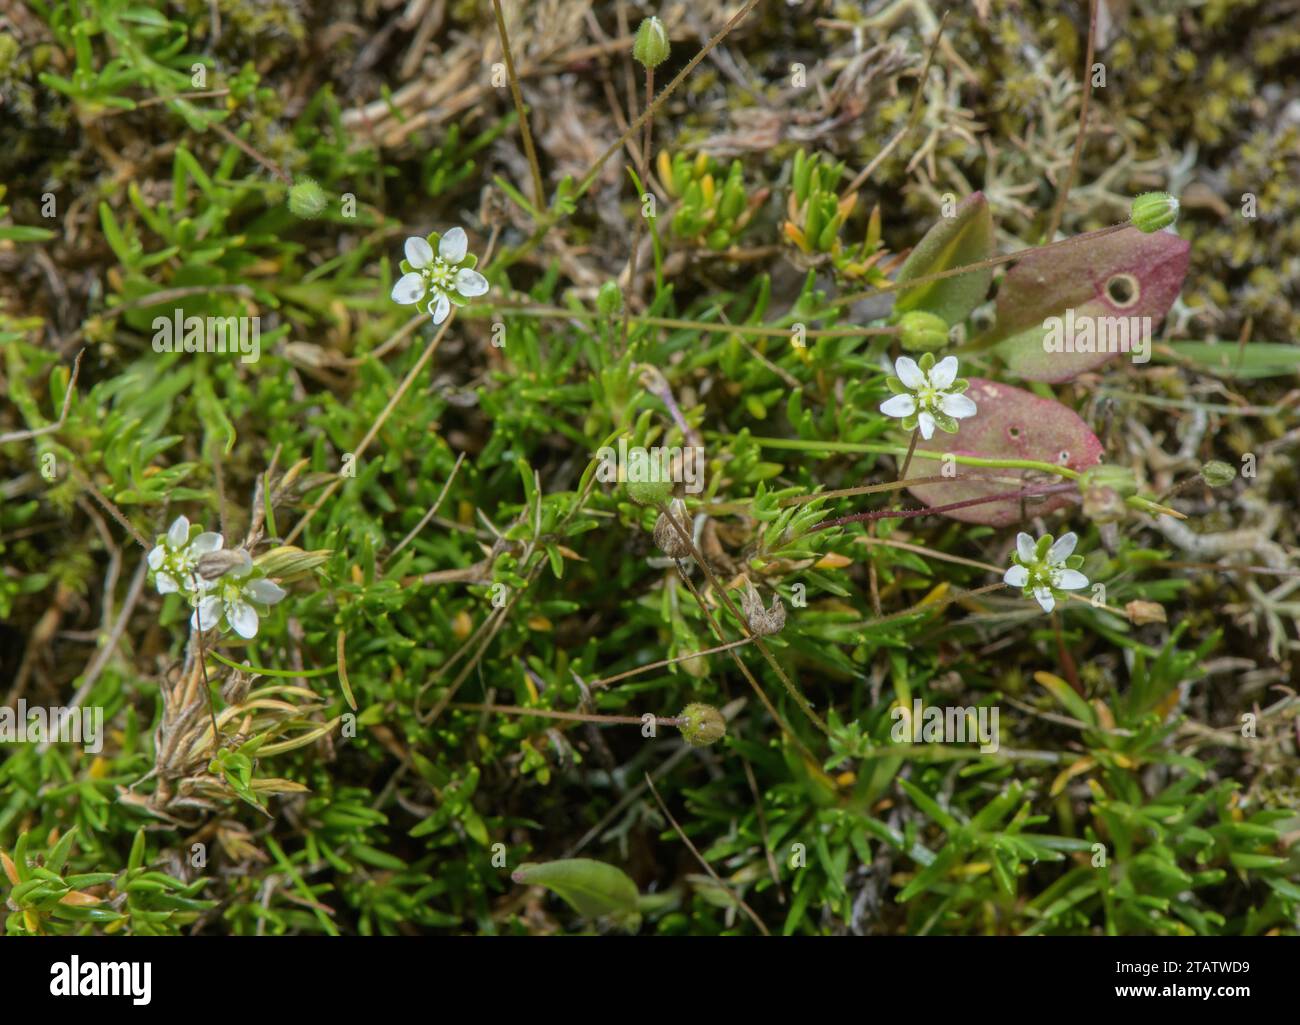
x: 1217, y: 474
x: 1142, y: 612
x: 702, y: 725
x: 1152, y: 211
x: 649, y: 492
x: 609, y: 300
x: 289, y: 562
x: 307, y: 199
x: 922, y: 332
x: 651, y: 46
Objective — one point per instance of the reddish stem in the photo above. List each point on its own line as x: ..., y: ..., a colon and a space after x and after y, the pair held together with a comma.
x: 890, y: 514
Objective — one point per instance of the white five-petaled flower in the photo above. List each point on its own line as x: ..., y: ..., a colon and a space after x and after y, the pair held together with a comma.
x: 227, y: 594
x: 445, y: 279
x: 1043, y: 566
x: 174, y: 558
x: 231, y: 597
x: 928, y: 395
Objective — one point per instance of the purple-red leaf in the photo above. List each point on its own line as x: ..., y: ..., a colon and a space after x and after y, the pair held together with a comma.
x: 1127, y: 274
x: 1010, y: 424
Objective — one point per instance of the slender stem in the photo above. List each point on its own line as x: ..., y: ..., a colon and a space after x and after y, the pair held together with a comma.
x: 992, y: 261
x: 911, y: 448
x: 1058, y: 210
x: 913, y: 118
x: 716, y: 627
x: 803, y: 445
x: 550, y: 713
x: 36, y: 432
x: 880, y: 448
x: 691, y: 325
x: 539, y: 192
x: 659, y: 100
x: 873, y: 489
x: 892, y: 514
x: 240, y: 144
x: 639, y: 229
x: 553, y: 217
x: 377, y: 425
x: 671, y: 661
x: 684, y: 533
x: 203, y: 669
x: 740, y: 901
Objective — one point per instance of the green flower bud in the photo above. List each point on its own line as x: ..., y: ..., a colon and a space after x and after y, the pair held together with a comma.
x: 922, y: 331
x: 1154, y: 210
x: 1217, y: 474
x: 649, y: 492
x: 702, y: 725
x: 651, y: 46
x: 289, y: 562
x: 609, y: 300
x: 307, y: 199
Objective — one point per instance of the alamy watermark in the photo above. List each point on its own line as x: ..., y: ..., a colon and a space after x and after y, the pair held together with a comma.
x: 951, y: 724
x: 179, y: 333
x: 53, y: 725
x: 75, y: 978
x: 1098, y: 334
x: 677, y: 464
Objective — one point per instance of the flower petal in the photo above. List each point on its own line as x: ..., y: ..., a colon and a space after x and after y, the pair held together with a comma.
x: 899, y: 405
x: 453, y: 246
x: 1070, y: 580
x: 243, y: 567
x: 1016, y: 576
x: 166, y: 583
x: 268, y: 592
x: 156, y: 556
x: 409, y: 289
x: 208, y: 541
x: 470, y: 283
x: 957, y: 405
x: 1063, y: 547
x: 943, y: 373
x: 208, y: 614
x: 418, y: 252
x: 1045, y: 598
x: 926, y: 422
x: 439, y: 308
x: 243, y: 617
x: 179, y: 532
x: 906, y: 370
x: 1025, y: 548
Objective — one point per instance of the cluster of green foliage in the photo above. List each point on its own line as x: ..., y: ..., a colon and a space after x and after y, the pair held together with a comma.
x: 365, y: 785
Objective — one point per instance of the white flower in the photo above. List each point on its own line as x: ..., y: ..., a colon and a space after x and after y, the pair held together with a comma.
x: 232, y: 596
x: 444, y: 279
x: 928, y: 395
x: 174, y: 558
x: 227, y: 597
x: 1041, y: 567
